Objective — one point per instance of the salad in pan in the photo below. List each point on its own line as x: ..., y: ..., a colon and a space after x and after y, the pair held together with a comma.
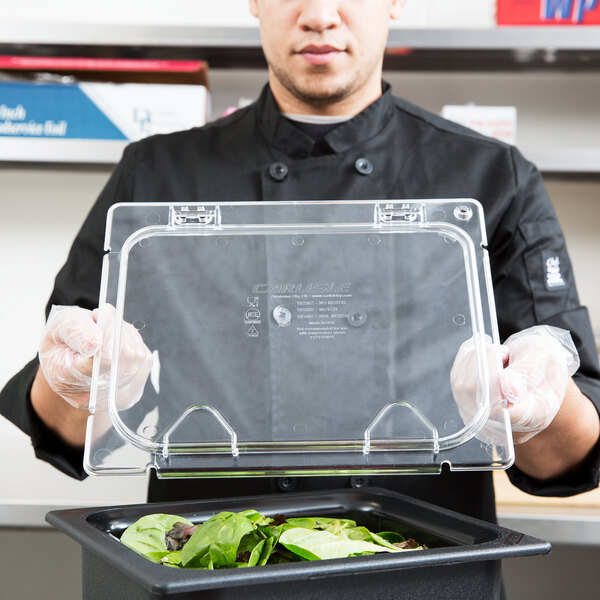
x: 248, y: 539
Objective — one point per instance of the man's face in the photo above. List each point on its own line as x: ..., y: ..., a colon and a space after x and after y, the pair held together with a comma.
x: 323, y: 52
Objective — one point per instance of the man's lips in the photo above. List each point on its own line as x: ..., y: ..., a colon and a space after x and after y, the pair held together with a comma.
x: 319, y: 54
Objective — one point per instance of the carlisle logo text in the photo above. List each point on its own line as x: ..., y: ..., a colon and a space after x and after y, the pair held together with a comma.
x: 301, y: 288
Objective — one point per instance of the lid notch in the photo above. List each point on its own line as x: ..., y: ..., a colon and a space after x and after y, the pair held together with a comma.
x: 399, y: 212
x: 196, y: 216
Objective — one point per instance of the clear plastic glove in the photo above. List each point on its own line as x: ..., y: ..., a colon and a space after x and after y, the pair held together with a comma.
x: 70, y: 341
x: 529, y: 374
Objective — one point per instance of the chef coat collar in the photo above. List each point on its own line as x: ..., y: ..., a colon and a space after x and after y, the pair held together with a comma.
x: 285, y: 136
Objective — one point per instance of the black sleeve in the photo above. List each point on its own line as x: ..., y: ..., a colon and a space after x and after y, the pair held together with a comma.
x: 77, y: 283
x: 534, y: 285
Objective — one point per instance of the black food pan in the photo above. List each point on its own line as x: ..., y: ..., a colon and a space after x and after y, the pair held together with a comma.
x: 462, y: 559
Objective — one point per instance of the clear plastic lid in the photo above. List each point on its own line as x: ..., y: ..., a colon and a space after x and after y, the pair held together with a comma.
x: 296, y: 338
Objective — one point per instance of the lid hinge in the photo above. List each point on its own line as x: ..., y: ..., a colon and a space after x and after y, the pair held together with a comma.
x: 398, y: 212
x: 194, y: 215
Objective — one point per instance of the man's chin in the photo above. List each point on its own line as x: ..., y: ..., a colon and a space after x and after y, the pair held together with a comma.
x: 323, y: 94
x: 318, y: 87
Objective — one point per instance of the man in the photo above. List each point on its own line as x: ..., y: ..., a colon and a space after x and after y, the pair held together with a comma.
x: 325, y: 128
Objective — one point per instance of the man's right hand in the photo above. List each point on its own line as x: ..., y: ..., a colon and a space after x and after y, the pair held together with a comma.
x: 73, y: 336
x: 529, y: 375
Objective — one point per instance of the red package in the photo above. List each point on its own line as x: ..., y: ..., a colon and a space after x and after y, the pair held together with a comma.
x: 548, y: 12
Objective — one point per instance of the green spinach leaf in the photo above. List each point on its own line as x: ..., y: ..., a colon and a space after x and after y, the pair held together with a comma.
x: 219, y: 539
x: 172, y: 559
x: 391, y: 536
x: 318, y: 545
x: 362, y: 533
x: 147, y: 535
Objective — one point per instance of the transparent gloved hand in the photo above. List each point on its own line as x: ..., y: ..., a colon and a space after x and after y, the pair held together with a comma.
x: 70, y: 341
x: 529, y: 374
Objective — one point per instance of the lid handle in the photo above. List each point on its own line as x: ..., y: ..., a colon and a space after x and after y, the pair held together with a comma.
x: 432, y: 444
x: 215, y: 413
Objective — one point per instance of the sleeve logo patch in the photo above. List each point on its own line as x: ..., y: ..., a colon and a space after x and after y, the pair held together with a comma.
x: 553, y: 276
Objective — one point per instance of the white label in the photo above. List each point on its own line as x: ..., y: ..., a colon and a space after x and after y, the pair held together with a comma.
x: 499, y: 122
x: 554, y: 277
x: 143, y: 109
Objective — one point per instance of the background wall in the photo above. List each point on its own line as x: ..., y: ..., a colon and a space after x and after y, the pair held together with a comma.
x: 417, y: 13
x: 42, y: 207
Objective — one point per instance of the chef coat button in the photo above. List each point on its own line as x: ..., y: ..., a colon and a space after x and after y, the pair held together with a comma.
x: 287, y: 484
x: 359, y: 482
x: 364, y: 166
x: 278, y: 171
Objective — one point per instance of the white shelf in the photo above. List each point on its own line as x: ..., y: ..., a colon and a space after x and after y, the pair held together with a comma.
x: 129, y: 35
x: 61, y: 151
x: 498, y: 38
x: 565, y: 160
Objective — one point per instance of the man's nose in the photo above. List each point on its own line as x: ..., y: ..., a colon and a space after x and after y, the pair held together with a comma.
x: 319, y: 15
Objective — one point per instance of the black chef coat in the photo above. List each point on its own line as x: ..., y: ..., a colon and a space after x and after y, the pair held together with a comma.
x: 391, y: 150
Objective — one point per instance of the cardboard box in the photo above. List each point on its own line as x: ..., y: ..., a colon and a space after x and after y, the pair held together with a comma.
x: 100, y: 99
x: 548, y: 12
